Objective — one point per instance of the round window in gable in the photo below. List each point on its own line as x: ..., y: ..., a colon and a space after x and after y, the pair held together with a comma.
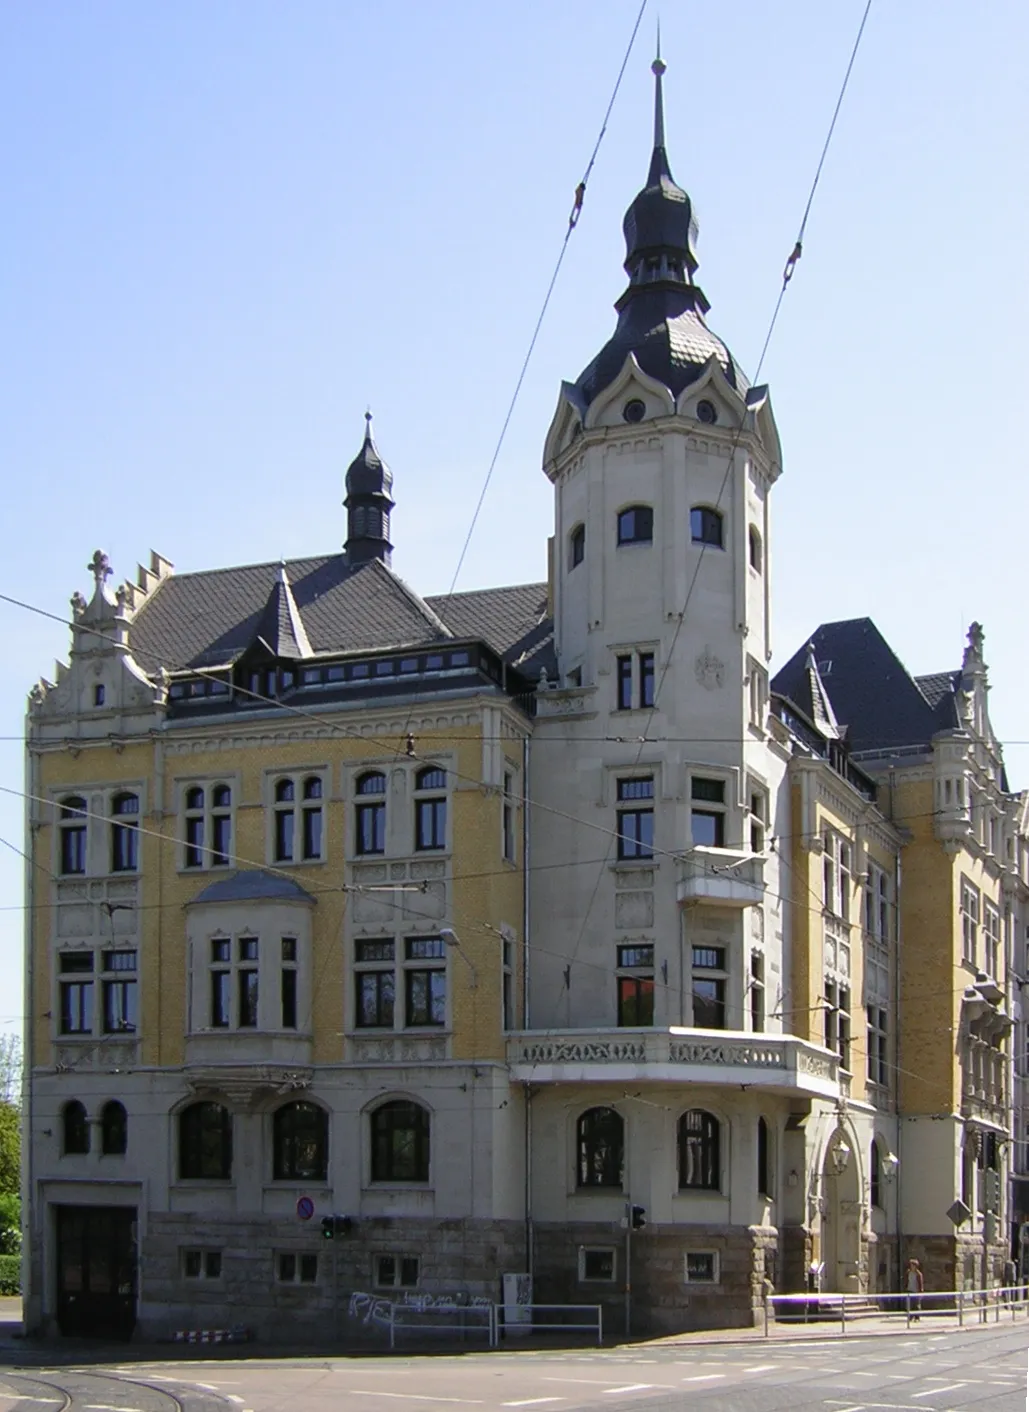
x: 707, y: 412
x: 634, y: 410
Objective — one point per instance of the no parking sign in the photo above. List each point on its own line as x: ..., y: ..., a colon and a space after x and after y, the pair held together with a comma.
x: 305, y: 1208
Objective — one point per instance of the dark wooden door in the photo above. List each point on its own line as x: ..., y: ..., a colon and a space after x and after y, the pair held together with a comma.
x: 96, y: 1270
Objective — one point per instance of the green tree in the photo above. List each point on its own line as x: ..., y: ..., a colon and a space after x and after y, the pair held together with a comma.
x: 10, y: 1149
x: 10, y: 1224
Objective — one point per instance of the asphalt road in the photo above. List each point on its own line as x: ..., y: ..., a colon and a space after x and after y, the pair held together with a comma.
x: 982, y: 1368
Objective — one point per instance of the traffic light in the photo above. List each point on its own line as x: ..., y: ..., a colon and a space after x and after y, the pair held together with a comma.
x: 328, y: 1227
x: 332, y: 1226
x: 638, y: 1217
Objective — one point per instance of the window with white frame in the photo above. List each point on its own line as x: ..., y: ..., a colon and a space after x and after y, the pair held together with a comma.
x: 375, y: 982
x: 991, y: 940
x: 430, y: 809
x: 234, y: 982
x: 700, y: 1267
x: 425, y: 982
x: 878, y: 1041
x: 837, y: 1021
x: 758, y: 817
x: 970, y: 915
x: 757, y: 691
x: 877, y: 903
x: 598, y: 1264
x: 836, y: 874
x: 416, y: 972
x: 396, y: 1271
x: 757, y: 992
x: 634, y: 680
x: 710, y: 977
x: 207, y: 826
x: 635, y: 982
x: 298, y: 819
x: 707, y: 812
x: 507, y: 995
x: 125, y: 833
x: 79, y: 973
x: 73, y: 816
x: 288, y: 982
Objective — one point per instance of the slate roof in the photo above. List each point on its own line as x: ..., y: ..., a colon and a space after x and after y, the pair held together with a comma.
x: 253, y: 885
x: 210, y: 618
x: 280, y: 629
x: 876, y: 701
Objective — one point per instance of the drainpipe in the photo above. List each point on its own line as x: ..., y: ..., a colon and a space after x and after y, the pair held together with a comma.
x: 530, y: 1243
x: 30, y: 1243
x: 897, y: 1051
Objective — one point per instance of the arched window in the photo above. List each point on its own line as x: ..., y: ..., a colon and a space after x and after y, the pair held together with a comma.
x: 430, y: 814
x: 600, y: 1141
x: 754, y: 542
x: 875, y: 1175
x: 205, y: 1142
x: 764, y: 1166
x: 300, y: 1143
x: 370, y: 816
x: 73, y: 835
x: 700, y: 1162
x: 576, y: 546
x: 74, y: 1128
x: 707, y: 526
x: 114, y: 1129
x: 636, y: 525
x: 400, y: 1142
x: 125, y: 833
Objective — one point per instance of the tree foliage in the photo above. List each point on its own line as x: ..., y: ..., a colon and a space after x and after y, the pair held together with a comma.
x: 10, y: 1149
x: 10, y: 1068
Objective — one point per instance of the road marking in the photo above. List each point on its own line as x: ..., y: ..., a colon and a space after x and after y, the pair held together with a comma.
x: 932, y: 1391
x: 232, y: 1396
x: 630, y: 1387
x: 590, y: 1382
x: 532, y: 1401
x: 762, y: 1368
x: 424, y: 1397
x: 703, y: 1377
x: 106, y: 1407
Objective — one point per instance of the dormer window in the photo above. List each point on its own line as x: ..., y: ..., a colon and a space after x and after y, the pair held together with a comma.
x: 576, y: 546
x: 636, y: 525
x: 707, y: 527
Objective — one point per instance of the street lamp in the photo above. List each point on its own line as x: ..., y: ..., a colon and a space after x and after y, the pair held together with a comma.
x: 451, y: 939
x: 839, y: 1153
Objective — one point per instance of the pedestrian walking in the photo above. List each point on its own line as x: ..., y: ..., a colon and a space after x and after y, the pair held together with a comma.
x: 916, y: 1288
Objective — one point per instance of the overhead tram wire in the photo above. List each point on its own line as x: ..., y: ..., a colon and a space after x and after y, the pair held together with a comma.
x: 787, y: 275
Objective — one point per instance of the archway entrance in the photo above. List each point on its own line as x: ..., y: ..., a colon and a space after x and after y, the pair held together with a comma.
x: 841, y: 1217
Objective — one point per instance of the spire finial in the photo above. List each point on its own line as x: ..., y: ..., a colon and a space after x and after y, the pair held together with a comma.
x: 657, y: 68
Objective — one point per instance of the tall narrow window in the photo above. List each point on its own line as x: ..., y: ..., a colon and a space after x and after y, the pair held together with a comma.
x: 507, y: 818
x: 754, y: 543
x: 370, y: 816
x: 125, y: 833
x: 646, y: 679
x: 707, y: 812
x: 636, y: 525
x: 73, y: 817
x: 875, y: 1175
x: 374, y: 983
x: 576, y: 546
x: 636, y: 817
x: 205, y: 1142
x: 709, y: 980
x: 757, y: 992
x: 300, y: 1143
x: 600, y: 1140
x: 878, y: 1060
x: 221, y: 825
x: 284, y: 821
x: 425, y: 981
x: 74, y: 1129
x: 970, y: 901
x: 707, y: 527
x: 76, y: 984
x: 119, y: 992
x: 246, y: 980
x: 764, y: 1170
x: 288, y: 983
x: 507, y: 1015
x: 312, y: 818
x: 400, y: 1142
x: 624, y: 680
x: 430, y: 813
x: 194, y: 857
x: 700, y: 1165
x: 114, y: 1129
x: 635, y: 980
x: 221, y: 980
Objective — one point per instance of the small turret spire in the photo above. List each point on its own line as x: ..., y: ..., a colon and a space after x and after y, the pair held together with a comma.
x: 657, y: 68
x: 368, y: 502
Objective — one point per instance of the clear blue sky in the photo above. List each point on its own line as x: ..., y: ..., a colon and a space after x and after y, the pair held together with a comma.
x: 230, y: 226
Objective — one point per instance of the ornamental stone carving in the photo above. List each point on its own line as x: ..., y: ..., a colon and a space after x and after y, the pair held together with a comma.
x: 760, y: 1056
x: 710, y: 670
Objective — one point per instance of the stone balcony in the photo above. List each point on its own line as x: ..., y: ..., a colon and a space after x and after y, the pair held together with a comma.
x: 722, y: 877
x: 776, y: 1063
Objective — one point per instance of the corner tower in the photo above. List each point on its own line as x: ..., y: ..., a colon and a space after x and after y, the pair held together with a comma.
x: 368, y: 503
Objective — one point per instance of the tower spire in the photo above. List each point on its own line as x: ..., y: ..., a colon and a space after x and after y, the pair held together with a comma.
x: 659, y: 160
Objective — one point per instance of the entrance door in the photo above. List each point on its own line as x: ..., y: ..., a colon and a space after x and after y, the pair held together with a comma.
x: 841, y: 1228
x: 96, y: 1270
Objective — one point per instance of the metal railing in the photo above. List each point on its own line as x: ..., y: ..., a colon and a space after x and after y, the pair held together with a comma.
x: 479, y: 1321
x: 964, y: 1306
x: 517, y: 1319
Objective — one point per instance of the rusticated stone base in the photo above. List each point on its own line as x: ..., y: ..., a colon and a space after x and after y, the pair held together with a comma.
x: 661, y: 1299
x: 798, y: 1251
x: 461, y: 1262
x: 960, y: 1261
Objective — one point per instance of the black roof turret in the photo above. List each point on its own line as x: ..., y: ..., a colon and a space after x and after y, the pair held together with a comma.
x: 368, y: 504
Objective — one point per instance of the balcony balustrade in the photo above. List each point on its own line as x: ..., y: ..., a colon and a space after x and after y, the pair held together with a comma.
x: 722, y: 877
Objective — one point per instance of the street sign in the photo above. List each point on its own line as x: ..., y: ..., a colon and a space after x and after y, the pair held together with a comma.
x: 958, y: 1213
x: 305, y: 1208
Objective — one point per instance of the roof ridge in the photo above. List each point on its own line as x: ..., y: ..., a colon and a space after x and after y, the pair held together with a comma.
x: 261, y: 564
x: 416, y: 599
x: 494, y: 588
